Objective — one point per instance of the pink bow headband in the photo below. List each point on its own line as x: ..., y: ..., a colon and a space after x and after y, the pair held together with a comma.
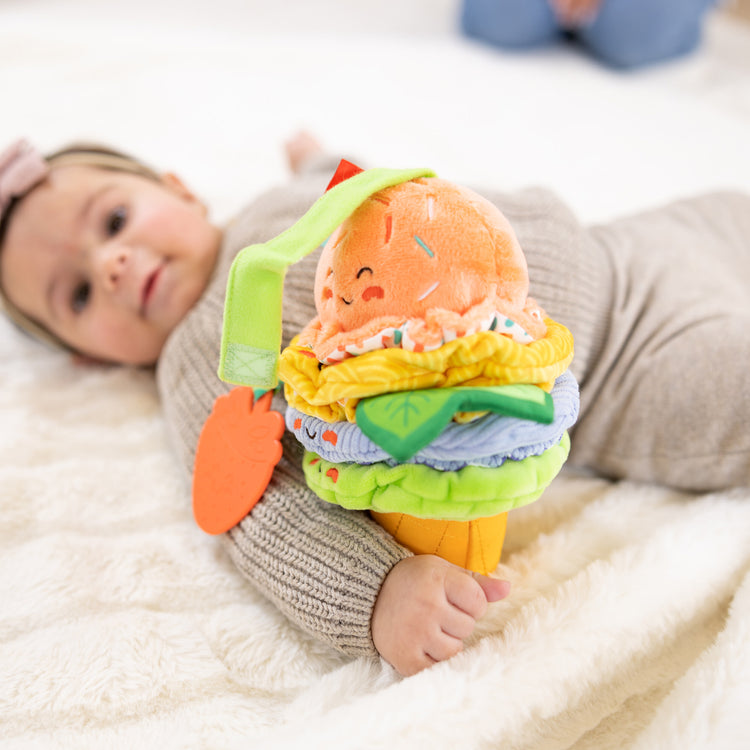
x: 21, y: 168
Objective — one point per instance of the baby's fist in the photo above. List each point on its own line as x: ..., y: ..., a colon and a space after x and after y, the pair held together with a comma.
x: 425, y: 610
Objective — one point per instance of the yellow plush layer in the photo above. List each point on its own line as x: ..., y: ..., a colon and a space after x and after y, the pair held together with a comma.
x: 332, y: 392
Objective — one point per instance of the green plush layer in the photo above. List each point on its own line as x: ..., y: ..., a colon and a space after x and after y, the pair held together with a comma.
x: 424, y: 492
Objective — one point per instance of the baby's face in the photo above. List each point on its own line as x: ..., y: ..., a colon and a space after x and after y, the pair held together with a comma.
x: 108, y: 261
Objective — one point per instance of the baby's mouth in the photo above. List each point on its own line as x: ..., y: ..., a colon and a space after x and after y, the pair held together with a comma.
x: 148, y: 287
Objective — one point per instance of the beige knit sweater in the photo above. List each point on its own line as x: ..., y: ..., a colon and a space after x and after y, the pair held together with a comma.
x: 323, y: 566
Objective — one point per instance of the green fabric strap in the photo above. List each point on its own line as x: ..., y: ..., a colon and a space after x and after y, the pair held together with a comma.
x: 251, y: 337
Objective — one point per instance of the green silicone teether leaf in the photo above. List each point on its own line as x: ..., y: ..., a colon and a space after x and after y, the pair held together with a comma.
x: 404, y: 423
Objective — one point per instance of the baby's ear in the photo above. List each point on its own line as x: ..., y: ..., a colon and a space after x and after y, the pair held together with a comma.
x: 172, y: 182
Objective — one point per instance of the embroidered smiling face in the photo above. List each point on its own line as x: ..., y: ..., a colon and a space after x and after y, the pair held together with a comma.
x: 422, y: 245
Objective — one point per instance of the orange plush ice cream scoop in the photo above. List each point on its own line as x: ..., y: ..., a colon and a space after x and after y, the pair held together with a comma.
x: 416, y: 265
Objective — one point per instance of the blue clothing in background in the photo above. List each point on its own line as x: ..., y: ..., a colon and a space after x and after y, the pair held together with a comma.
x: 623, y: 34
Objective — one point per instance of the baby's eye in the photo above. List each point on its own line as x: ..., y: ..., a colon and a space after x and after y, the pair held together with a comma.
x: 81, y: 295
x: 116, y: 221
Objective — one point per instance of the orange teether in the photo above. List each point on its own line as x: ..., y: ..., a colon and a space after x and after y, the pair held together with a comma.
x: 237, y: 451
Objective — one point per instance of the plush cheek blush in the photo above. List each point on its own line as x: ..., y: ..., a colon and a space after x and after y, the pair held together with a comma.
x: 373, y: 292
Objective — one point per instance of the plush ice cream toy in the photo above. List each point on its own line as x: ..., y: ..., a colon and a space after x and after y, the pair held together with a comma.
x: 430, y: 390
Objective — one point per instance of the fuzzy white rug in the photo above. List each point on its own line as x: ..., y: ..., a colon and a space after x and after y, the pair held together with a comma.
x: 123, y: 626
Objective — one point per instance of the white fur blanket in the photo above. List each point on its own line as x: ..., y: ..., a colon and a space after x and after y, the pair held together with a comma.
x: 123, y: 626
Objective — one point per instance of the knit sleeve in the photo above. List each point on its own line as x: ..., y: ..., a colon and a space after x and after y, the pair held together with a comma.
x: 321, y: 565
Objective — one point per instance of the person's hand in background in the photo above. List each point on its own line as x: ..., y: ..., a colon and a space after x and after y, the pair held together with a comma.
x: 572, y: 13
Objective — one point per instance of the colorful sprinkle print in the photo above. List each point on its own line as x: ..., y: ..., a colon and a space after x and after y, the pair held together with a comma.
x: 423, y: 245
x: 389, y: 338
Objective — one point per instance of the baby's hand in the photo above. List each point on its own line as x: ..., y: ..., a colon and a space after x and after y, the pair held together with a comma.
x: 574, y: 13
x: 425, y: 610
x: 299, y: 148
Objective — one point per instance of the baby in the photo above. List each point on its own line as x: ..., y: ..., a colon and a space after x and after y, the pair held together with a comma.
x: 116, y: 262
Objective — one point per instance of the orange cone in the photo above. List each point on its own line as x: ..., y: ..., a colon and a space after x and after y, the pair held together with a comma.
x: 475, y: 545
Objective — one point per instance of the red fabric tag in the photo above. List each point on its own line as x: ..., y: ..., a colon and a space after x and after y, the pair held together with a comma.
x: 344, y: 171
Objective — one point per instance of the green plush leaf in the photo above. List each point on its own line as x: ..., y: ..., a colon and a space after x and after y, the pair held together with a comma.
x: 522, y: 401
x: 404, y: 423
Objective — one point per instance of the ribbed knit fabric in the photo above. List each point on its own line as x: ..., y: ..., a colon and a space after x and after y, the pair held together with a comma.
x: 323, y: 566
x: 659, y: 306
x: 667, y: 396
x: 569, y: 275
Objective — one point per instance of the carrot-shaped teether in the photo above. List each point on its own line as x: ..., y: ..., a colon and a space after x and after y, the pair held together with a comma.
x: 237, y: 452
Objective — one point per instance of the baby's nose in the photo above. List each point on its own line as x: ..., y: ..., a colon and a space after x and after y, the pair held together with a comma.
x: 112, y: 265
